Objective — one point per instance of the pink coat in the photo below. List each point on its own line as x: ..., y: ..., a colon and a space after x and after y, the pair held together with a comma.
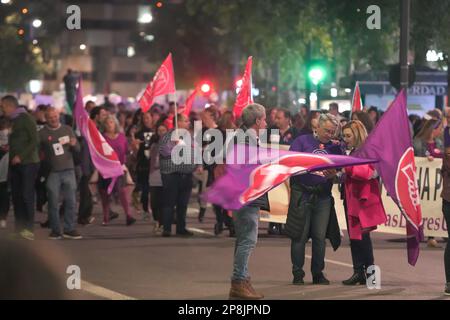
x: 363, y: 197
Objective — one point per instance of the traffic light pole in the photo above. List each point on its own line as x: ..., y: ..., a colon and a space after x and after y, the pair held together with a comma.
x: 318, y: 96
x: 405, y: 8
x: 308, y: 81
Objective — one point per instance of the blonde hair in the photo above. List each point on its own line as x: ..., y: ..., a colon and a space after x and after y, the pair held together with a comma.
x: 359, y: 132
x: 116, y: 122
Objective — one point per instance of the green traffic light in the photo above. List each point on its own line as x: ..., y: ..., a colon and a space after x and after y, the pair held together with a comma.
x: 316, y: 75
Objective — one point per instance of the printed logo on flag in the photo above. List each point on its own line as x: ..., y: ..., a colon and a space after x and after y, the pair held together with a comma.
x: 407, y: 189
x: 161, y: 81
x: 98, y: 142
x: 267, y: 176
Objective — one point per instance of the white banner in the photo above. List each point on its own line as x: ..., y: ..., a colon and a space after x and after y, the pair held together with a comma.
x: 430, y: 185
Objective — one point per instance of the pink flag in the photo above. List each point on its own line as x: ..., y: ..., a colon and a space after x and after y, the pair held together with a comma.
x: 103, y: 157
x: 245, y: 96
x: 357, y: 102
x: 390, y: 142
x: 189, y: 102
x: 243, y: 183
x: 163, y: 83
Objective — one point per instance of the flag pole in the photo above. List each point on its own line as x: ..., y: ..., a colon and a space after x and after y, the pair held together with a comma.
x: 176, y: 114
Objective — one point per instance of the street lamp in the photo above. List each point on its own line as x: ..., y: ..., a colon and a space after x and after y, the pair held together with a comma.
x: 35, y: 86
x: 131, y: 52
x: 145, y: 18
x: 6, y: 1
x: 37, y: 23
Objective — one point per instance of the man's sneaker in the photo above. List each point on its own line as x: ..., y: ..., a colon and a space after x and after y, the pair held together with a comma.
x: 243, y: 290
x: 146, y: 216
x: 156, y: 227
x: 73, y: 235
x: 298, y: 281
x: 27, y: 235
x: 320, y: 279
x: 272, y: 230
x: 55, y: 236
x: 185, y: 233
x: 2, y: 224
x: 113, y: 215
x: 447, y: 289
x: 130, y: 221
x: 86, y: 222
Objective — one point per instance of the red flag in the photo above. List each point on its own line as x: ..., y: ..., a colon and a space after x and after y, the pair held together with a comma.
x: 189, y: 102
x: 163, y: 83
x: 357, y: 102
x: 245, y: 96
x: 103, y: 156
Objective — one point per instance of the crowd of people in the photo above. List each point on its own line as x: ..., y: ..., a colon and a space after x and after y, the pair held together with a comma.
x: 44, y: 159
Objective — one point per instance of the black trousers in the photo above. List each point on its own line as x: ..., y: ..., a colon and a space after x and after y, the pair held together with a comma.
x: 222, y: 217
x: 4, y: 200
x: 23, y: 177
x: 156, y: 195
x: 144, y: 187
x: 86, y: 204
x: 362, y: 253
x: 362, y: 250
x: 41, y: 185
x: 446, y: 211
x: 177, y: 188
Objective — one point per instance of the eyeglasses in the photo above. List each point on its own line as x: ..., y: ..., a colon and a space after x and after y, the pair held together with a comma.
x: 329, y: 131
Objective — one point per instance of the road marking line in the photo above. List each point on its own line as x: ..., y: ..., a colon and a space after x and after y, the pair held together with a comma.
x: 201, y: 231
x: 103, y: 292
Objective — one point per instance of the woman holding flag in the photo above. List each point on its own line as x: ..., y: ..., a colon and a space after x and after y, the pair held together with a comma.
x: 363, y: 205
x: 118, y: 143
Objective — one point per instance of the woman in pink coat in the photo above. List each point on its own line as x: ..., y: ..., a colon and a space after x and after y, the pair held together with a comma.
x: 363, y: 205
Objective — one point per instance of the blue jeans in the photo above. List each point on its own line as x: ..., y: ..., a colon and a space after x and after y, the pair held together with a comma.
x: 23, y: 177
x: 177, y: 188
x: 246, y: 226
x: 317, y: 215
x: 65, y: 182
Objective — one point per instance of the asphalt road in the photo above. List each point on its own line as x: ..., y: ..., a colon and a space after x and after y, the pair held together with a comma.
x: 120, y: 262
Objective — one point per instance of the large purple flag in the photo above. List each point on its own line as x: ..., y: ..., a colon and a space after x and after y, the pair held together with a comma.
x: 103, y: 157
x: 244, y: 183
x: 391, y: 143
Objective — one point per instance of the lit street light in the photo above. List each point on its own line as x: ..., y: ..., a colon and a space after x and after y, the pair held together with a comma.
x: 145, y: 18
x: 37, y: 23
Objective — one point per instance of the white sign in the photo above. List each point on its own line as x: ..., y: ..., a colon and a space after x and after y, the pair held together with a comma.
x: 430, y: 187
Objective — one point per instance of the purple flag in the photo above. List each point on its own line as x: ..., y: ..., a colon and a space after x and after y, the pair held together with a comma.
x: 103, y: 157
x: 244, y: 183
x: 390, y: 142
